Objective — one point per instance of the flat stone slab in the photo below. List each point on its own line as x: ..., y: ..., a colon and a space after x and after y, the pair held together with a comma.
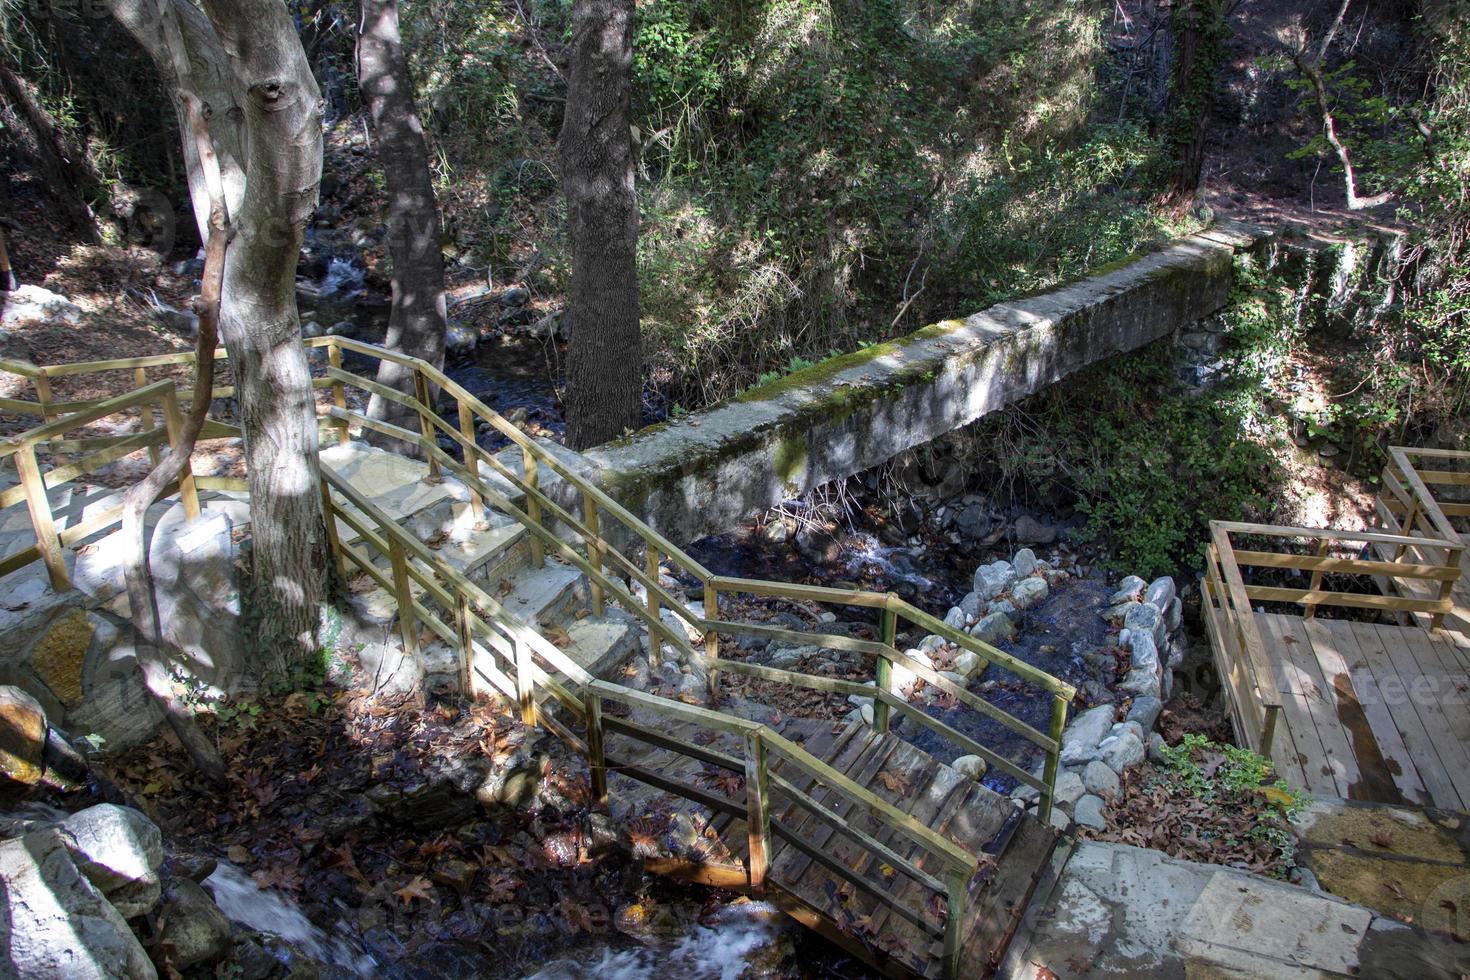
x: 1120, y: 911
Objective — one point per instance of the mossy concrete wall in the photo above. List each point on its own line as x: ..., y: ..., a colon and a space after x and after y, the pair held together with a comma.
x: 710, y: 470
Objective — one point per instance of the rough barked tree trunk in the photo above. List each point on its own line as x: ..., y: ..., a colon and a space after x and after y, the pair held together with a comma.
x: 417, y: 322
x: 605, y: 363
x: 173, y: 33
x: 260, y: 326
x: 68, y: 175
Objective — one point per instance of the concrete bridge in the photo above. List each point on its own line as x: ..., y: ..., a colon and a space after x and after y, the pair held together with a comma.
x: 708, y: 471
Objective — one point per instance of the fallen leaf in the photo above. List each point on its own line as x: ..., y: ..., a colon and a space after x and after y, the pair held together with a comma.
x: 420, y: 888
x: 1395, y: 888
x: 237, y: 854
x: 1381, y: 839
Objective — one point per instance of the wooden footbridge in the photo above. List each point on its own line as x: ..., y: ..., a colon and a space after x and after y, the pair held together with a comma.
x: 1371, y: 700
x: 849, y: 828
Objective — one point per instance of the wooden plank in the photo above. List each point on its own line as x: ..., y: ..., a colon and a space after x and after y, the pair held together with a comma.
x: 1424, y: 690
x: 1375, y: 779
x: 1349, y: 566
x: 1395, y: 754
x: 1417, y: 740
x: 1348, y: 600
x: 1321, y: 704
x: 1441, y: 666
x: 1312, y: 533
x: 1310, y: 755
x: 863, y: 754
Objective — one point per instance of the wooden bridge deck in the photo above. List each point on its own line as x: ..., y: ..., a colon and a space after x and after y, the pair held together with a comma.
x: 1370, y: 711
x: 806, y: 851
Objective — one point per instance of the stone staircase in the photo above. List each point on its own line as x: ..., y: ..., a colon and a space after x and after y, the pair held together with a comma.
x: 487, y: 547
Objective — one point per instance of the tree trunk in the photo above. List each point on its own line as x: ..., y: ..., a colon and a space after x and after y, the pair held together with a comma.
x: 1199, y: 28
x: 175, y: 33
x: 67, y: 173
x: 417, y: 323
x: 605, y: 363
x: 261, y: 329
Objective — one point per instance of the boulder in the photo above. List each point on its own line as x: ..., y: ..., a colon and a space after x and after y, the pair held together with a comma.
x: 993, y: 579
x: 1001, y: 606
x: 1145, y: 712
x: 393, y: 673
x: 1089, y: 813
x: 955, y: 618
x: 22, y: 737
x: 970, y: 605
x: 1145, y: 618
x: 1160, y: 592
x: 1081, y: 737
x: 1142, y: 684
x: 1123, y: 752
x: 1131, y: 589
x: 193, y: 929
x: 1068, y: 789
x: 56, y: 925
x: 993, y: 628
x: 970, y: 765
x: 1025, y: 563
x: 120, y: 851
x: 1028, y: 530
x: 1029, y: 591
x: 1100, y: 780
x: 968, y: 663
x: 1144, y: 651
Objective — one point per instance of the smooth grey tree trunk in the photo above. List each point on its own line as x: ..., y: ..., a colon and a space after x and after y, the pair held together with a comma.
x: 173, y: 33
x: 281, y: 108
x: 416, y: 324
x: 605, y: 362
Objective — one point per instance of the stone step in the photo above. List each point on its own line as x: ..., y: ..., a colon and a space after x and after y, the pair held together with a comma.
x: 550, y: 594
x: 400, y: 487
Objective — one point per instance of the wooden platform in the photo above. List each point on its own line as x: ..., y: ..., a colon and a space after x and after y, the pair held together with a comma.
x: 1457, y: 620
x: 1371, y: 712
x: 1018, y: 847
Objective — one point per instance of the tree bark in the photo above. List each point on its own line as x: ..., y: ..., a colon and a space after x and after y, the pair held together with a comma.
x: 1198, y: 30
x: 186, y: 51
x: 261, y: 328
x: 605, y: 363
x: 417, y: 321
x: 67, y: 173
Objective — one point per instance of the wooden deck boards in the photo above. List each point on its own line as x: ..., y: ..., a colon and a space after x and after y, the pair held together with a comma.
x: 1370, y: 711
x: 981, y: 821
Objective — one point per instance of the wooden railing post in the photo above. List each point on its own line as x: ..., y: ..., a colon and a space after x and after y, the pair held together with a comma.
x: 145, y: 414
x: 1049, y: 774
x: 334, y: 538
x: 1411, y: 514
x: 47, y: 541
x: 650, y: 566
x: 757, y: 811
x: 426, y: 428
x: 471, y: 458
x: 403, y: 591
x: 466, y: 645
x: 339, y: 390
x: 42, y: 384
x: 885, y: 671
x: 956, y: 885
x: 593, y: 520
x: 173, y: 421
x: 525, y: 684
x: 1322, y: 548
x: 533, y: 506
x: 596, y: 754
x: 712, y: 636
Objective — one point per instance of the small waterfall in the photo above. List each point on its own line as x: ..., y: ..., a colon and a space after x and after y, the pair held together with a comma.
x: 344, y: 278
x: 266, y: 910
x: 720, y: 951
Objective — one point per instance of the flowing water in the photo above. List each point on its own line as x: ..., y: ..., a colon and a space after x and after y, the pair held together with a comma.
x: 266, y: 910
x: 724, y: 949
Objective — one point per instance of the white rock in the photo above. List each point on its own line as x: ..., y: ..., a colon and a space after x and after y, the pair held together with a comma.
x: 867, y: 713
x: 1160, y: 592
x: 970, y: 765
x: 1130, y: 589
x: 1145, y: 651
x: 955, y: 618
x: 1081, y: 737
x: 120, y: 851
x: 1029, y: 591
x: 993, y: 579
x: 967, y: 663
x: 54, y: 924
x: 1024, y: 563
x: 1123, y: 753
x: 931, y: 643
x: 993, y: 628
